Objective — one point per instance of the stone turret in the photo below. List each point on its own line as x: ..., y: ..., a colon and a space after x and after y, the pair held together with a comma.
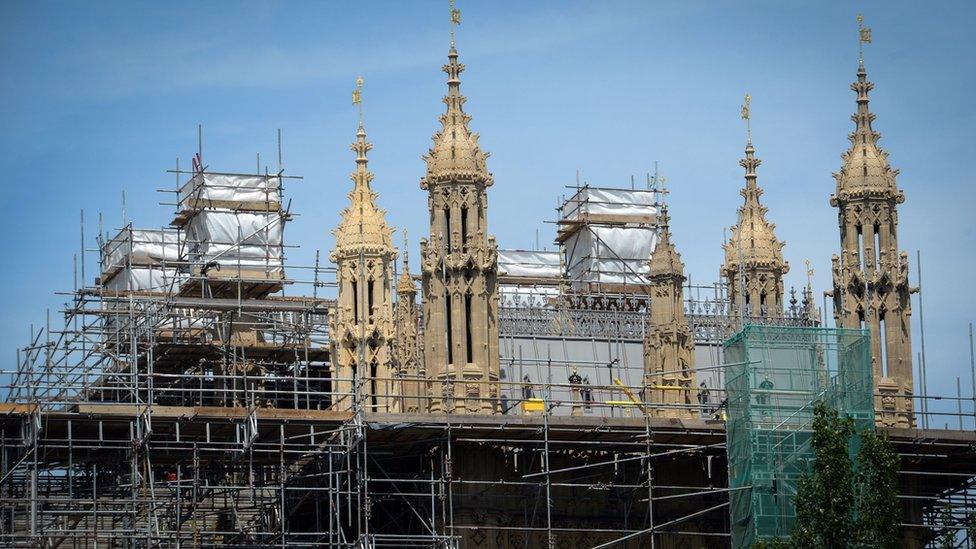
x: 459, y: 265
x: 406, y: 349
x: 871, y: 288
x: 669, y: 349
x: 754, y: 265
x: 361, y: 325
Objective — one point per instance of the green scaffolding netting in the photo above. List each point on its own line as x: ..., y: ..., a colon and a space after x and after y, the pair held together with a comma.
x: 774, y: 375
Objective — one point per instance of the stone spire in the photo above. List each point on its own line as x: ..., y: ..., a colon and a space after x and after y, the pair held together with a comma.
x: 669, y: 352
x: 665, y: 260
x: 406, y: 354
x: 866, y: 170
x: 405, y: 284
x: 361, y: 325
x: 363, y: 224
x: 753, y: 255
x: 871, y: 288
x: 459, y: 265
x: 455, y: 155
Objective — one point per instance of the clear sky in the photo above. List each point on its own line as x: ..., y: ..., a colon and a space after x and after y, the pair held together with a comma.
x: 100, y: 98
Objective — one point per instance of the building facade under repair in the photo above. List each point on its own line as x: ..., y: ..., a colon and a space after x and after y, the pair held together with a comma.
x: 204, y: 392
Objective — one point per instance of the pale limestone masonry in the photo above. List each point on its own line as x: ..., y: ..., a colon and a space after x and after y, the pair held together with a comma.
x: 361, y: 324
x: 459, y: 265
x: 871, y: 287
x: 754, y: 265
x: 669, y: 348
x: 406, y: 349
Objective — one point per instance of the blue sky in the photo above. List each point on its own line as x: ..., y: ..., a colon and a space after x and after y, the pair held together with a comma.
x: 101, y: 98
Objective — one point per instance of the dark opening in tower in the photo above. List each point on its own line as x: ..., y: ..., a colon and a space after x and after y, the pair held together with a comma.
x: 464, y: 228
x: 355, y: 301
x: 467, y: 327
x: 447, y: 228
x: 369, y: 300
x: 450, y: 327
x: 883, y: 343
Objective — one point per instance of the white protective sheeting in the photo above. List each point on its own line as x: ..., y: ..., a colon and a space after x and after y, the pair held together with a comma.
x: 149, y: 279
x: 230, y: 188
x: 616, y: 202
x: 248, y: 239
x: 528, y: 263
x: 140, y: 247
x: 619, y: 255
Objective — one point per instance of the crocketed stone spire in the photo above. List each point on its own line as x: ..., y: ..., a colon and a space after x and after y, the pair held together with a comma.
x: 754, y: 248
x: 665, y: 260
x: 363, y: 224
x: 405, y: 284
x: 871, y: 288
x: 866, y: 171
x: 459, y: 266
x: 669, y: 352
x: 455, y: 155
x: 406, y: 345
x: 361, y: 325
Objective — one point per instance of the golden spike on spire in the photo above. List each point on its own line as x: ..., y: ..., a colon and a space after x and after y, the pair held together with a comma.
x: 747, y: 116
x: 455, y: 20
x: 405, y: 283
x: 809, y: 273
x: 357, y: 97
x: 406, y: 253
x: 863, y: 36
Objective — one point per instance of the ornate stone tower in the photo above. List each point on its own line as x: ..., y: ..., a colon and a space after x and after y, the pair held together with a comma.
x: 669, y: 349
x: 459, y: 265
x: 362, y: 323
x: 871, y: 287
x: 406, y: 350
x: 754, y: 265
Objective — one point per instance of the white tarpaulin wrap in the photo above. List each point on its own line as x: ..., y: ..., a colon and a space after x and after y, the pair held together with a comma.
x: 144, y: 280
x: 141, y: 247
x: 528, y: 263
x: 230, y: 188
x: 610, y: 254
x: 617, y: 202
x: 249, y: 239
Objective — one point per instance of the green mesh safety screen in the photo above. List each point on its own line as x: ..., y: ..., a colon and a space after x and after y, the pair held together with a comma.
x: 774, y: 376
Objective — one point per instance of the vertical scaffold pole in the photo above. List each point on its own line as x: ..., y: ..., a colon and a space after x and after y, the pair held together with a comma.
x: 921, y: 327
x: 546, y: 406
x: 972, y: 373
x: 959, y: 400
x: 649, y: 466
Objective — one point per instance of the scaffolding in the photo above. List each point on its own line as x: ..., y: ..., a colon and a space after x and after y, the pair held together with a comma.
x: 187, y: 401
x: 607, y: 236
x: 775, y: 376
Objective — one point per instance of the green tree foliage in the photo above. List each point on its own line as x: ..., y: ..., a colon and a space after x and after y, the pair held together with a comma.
x: 825, y: 496
x: 840, y: 506
x: 946, y: 536
x: 877, y: 492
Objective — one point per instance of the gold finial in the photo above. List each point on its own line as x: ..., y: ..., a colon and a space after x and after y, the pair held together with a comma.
x: 357, y: 96
x: 746, y: 116
x: 406, y: 254
x: 809, y: 273
x: 863, y: 36
x: 455, y: 20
